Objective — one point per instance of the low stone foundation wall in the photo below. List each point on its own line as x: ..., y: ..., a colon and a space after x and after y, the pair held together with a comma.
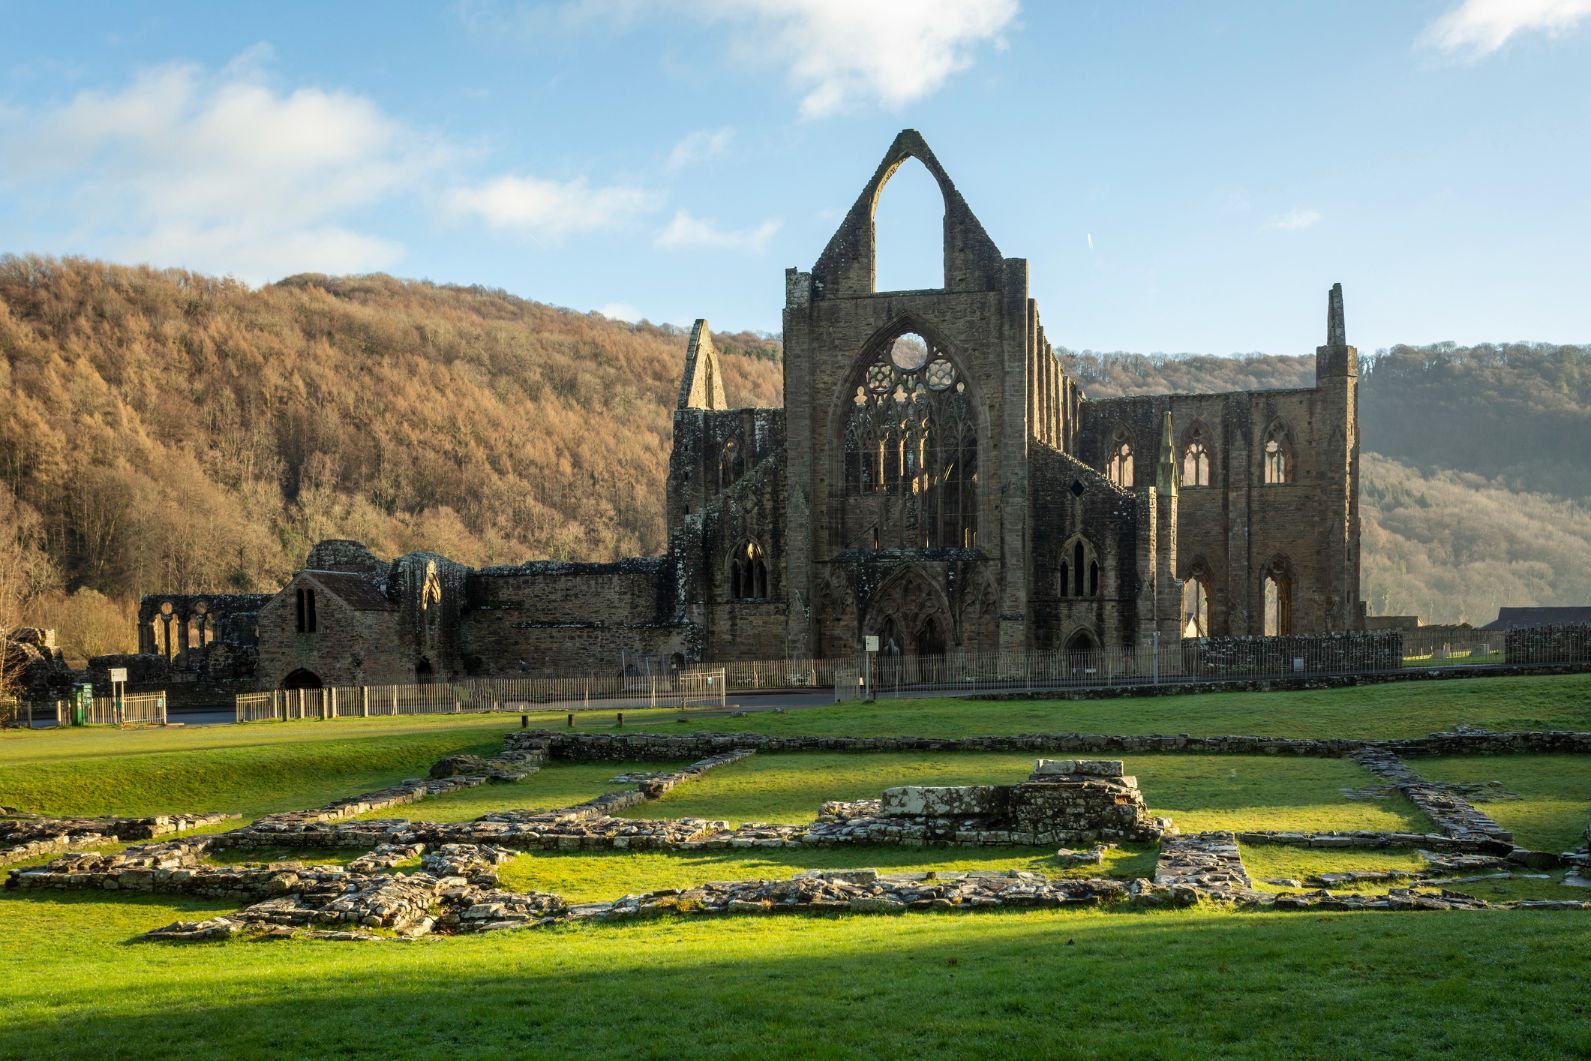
x: 620, y: 747
x: 1548, y: 644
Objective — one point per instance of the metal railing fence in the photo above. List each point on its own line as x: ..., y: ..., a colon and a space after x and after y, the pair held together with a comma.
x: 1193, y: 662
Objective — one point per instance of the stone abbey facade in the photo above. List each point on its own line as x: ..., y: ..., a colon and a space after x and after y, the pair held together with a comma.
x: 935, y: 479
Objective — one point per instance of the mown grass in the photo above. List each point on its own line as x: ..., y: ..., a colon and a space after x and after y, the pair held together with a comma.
x: 1199, y: 792
x: 243, y: 769
x: 595, y: 876
x: 1044, y: 983
x: 1274, y: 862
x: 553, y: 786
x: 1554, y: 807
x: 1396, y: 709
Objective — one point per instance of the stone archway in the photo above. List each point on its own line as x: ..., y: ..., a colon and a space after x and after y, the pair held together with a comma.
x: 912, y: 613
x: 302, y: 679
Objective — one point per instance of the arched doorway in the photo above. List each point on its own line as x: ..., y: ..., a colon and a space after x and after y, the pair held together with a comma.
x: 422, y: 670
x: 302, y: 679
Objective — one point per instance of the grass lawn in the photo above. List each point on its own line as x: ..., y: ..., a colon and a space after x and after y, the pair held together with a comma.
x: 1121, y: 983
x: 554, y: 785
x: 251, y: 770
x: 1109, y: 984
x: 1555, y: 794
x: 1199, y: 791
x: 594, y: 876
x: 1269, y: 861
x: 1396, y: 709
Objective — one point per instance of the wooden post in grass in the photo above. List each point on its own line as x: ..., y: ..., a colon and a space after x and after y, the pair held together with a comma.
x: 364, y: 701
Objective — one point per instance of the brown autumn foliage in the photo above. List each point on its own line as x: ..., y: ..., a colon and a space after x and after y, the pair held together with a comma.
x: 179, y: 432
x: 176, y: 432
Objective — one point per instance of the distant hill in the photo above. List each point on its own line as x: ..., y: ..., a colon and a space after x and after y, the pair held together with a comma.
x: 180, y: 432
x: 176, y: 431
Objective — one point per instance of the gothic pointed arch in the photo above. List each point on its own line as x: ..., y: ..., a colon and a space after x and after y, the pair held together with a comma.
x: 913, y: 609
x: 1277, y: 585
x: 747, y: 571
x: 906, y: 445
x: 1078, y: 571
x: 847, y: 266
x: 1278, y: 454
x: 1196, y: 584
x: 1119, y: 459
x: 1196, y: 455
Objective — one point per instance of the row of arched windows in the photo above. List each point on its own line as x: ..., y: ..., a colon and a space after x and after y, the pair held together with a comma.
x: 1276, y: 467
x: 1276, y: 600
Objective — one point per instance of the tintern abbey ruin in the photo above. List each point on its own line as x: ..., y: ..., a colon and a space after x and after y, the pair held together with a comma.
x: 934, y: 479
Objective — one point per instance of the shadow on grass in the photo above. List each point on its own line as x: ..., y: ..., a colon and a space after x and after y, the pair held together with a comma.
x: 1061, y: 983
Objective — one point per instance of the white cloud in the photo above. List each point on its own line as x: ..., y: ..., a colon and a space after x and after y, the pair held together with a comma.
x: 220, y: 172
x: 620, y: 311
x: 700, y: 146
x: 1477, y: 28
x: 547, y: 209
x: 1090, y: 242
x: 1295, y: 219
x: 843, y: 52
x: 838, y: 53
x: 687, y: 232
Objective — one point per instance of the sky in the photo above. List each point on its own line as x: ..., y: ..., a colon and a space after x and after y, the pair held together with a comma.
x: 1181, y: 177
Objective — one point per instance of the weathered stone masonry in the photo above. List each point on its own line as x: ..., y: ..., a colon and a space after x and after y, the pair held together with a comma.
x: 935, y: 479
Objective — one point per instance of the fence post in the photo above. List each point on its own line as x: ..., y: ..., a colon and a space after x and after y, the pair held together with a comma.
x: 364, y: 701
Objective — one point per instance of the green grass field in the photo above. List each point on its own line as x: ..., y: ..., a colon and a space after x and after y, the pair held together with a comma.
x: 1554, y: 805
x: 1199, y: 792
x: 1102, y: 984
x: 1120, y: 982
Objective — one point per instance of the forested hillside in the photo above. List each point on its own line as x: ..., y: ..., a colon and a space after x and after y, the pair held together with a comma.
x: 173, y: 431
x: 167, y: 430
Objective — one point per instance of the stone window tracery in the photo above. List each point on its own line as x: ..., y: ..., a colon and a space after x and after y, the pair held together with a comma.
x: 1079, y: 568
x: 748, y: 573
x: 910, y: 445
x: 1278, y: 455
x: 1119, y: 467
x: 1195, y: 459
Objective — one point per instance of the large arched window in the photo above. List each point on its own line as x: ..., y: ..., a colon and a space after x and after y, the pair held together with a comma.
x: 910, y: 451
x: 1196, y: 601
x: 748, y: 573
x: 1079, y: 568
x: 1278, y: 455
x: 1276, y: 592
x: 1195, y: 458
x: 1118, y: 466
x: 731, y: 464
x: 909, y: 230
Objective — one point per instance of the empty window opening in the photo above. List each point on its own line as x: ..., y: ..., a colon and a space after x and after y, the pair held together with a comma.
x: 731, y: 465
x: 306, y: 610
x: 1278, y: 456
x: 1195, y: 460
x: 909, y: 231
x: 748, y: 573
x: 1119, y: 468
x: 1079, y: 572
x: 1196, y: 605
x: 1278, y: 602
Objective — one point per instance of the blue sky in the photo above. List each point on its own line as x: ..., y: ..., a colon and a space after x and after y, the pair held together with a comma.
x: 1182, y: 177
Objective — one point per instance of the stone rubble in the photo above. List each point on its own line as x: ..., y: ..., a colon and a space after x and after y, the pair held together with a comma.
x: 28, y: 836
x: 456, y: 890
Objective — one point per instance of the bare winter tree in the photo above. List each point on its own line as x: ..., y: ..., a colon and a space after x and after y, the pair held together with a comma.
x: 25, y: 572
